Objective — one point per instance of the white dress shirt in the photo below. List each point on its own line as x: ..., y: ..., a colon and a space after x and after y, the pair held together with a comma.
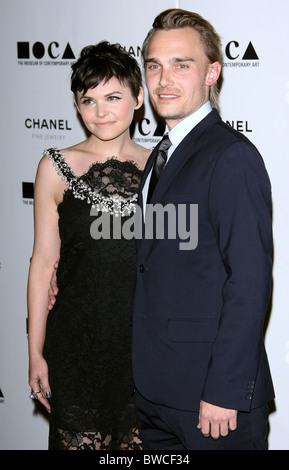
x: 179, y: 132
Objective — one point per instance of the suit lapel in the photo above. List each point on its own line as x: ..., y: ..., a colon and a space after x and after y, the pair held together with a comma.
x: 185, y: 150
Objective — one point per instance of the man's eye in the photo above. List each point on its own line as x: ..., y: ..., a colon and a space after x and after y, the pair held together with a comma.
x: 153, y: 67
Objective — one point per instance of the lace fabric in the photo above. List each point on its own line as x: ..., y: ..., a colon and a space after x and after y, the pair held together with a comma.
x: 88, y: 333
x: 111, y: 185
x: 95, y: 441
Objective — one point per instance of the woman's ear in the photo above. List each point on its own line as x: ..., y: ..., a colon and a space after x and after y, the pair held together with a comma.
x: 140, y: 98
x: 213, y: 73
x: 75, y: 103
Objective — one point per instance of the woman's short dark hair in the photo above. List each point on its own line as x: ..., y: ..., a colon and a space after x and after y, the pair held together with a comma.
x: 100, y: 62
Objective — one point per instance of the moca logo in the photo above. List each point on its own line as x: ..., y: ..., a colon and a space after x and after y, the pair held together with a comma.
x: 241, y: 57
x: 37, y: 50
x: 232, y: 50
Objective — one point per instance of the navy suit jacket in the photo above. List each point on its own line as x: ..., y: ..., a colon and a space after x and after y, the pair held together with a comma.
x: 198, y: 313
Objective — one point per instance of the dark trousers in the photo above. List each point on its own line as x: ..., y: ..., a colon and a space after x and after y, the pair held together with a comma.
x: 163, y: 428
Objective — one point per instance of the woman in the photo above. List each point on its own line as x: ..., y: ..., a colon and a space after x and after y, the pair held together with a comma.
x: 80, y: 352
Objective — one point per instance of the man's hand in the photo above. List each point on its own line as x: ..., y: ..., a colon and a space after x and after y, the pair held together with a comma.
x: 215, y: 421
x: 53, y: 288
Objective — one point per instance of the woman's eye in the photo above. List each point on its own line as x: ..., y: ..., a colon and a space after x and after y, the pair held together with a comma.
x: 86, y: 101
x: 113, y: 98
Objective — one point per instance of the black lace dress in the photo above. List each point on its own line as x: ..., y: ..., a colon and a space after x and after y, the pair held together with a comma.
x: 88, y: 334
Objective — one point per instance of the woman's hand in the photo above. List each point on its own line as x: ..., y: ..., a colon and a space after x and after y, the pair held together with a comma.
x: 38, y: 381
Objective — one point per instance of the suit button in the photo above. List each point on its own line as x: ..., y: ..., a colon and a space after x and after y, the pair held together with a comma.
x: 141, y: 268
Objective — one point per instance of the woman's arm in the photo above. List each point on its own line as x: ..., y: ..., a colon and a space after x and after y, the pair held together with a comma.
x: 46, y: 250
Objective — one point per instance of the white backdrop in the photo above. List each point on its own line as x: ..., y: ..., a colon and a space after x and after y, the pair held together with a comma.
x: 39, y: 40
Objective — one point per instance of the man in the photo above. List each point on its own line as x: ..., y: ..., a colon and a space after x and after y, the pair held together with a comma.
x: 201, y: 373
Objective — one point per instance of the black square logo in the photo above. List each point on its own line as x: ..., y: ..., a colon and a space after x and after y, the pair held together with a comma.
x: 27, y: 190
x: 23, y: 50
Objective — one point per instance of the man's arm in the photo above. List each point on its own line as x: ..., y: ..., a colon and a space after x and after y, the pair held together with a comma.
x: 240, y: 209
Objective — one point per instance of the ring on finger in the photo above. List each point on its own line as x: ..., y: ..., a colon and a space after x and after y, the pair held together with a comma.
x: 33, y: 395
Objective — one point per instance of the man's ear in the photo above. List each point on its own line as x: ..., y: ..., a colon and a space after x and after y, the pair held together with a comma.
x: 213, y: 73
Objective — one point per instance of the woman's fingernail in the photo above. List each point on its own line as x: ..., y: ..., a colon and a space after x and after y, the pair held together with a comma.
x: 48, y: 395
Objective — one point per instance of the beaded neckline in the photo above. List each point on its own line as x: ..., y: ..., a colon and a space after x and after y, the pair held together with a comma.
x: 82, y: 186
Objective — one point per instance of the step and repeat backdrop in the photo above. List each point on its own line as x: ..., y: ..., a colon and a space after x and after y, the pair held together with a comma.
x: 40, y: 39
